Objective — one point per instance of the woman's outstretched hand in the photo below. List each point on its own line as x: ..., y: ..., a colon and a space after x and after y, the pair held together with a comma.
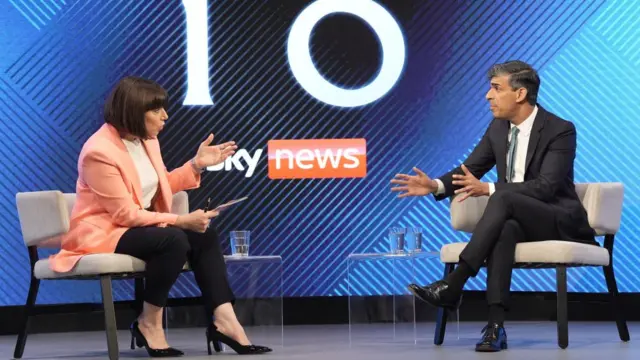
x: 210, y: 155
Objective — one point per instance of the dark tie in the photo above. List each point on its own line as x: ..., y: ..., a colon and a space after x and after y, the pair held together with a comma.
x: 511, y: 153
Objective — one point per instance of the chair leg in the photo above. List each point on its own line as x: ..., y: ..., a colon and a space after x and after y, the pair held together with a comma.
x: 109, y: 317
x: 441, y: 317
x: 28, y: 311
x: 563, y: 316
x: 621, y: 322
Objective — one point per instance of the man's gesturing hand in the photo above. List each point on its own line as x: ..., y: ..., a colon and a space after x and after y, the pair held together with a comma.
x: 470, y: 185
x: 414, y: 185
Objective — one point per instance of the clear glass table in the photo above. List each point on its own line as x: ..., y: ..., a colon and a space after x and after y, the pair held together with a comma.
x: 257, y: 283
x: 381, y: 308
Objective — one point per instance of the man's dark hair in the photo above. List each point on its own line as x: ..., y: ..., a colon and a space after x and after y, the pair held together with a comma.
x: 521, y: 75
x: 129, y: 100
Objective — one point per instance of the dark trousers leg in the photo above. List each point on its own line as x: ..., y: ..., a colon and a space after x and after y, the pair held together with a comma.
x: 535, y: 217
x: 165, y: 252
x: 500, y: 263
x: 535, y: 220
x: 209, y: 269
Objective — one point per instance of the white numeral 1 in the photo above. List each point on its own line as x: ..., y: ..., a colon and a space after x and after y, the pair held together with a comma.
x: 197, y: 53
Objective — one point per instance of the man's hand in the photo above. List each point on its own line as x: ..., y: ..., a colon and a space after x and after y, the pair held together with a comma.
x: 470, y: 185
x: 414, y: 185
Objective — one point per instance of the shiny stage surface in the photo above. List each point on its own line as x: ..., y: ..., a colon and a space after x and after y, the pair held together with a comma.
x: 527, y: 340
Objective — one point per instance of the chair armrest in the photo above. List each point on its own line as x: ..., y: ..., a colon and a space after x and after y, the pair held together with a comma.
x: 43, y: 217
x: 465, y: 215
x: 603, y: 202
x: 180, y: 203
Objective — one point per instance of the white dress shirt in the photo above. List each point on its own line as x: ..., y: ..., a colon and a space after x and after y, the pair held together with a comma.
x: 146, y: 172
x: 521, y: 152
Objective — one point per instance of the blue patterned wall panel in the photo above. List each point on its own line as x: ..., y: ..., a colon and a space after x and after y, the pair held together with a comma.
x: 61, y: 58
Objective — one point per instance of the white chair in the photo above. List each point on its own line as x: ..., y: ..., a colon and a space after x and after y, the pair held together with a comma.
x: 603, y: 202
x: 44, y: 217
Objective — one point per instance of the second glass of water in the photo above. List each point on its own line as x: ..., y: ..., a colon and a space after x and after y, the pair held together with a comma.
x: 240, y: 241
x: 416, y: 243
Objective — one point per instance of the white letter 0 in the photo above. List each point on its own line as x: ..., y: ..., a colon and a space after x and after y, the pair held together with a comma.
x: 391, y: 42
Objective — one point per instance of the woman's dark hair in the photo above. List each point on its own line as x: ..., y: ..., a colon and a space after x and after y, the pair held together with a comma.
x: 129, y: 100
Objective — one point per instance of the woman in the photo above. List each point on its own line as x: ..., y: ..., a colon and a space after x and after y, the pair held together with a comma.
x: 123, y: 202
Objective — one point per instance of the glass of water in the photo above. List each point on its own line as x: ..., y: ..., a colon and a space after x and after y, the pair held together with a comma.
x: 240, y: 241
x: 397, y: 239
x: 416, y: 243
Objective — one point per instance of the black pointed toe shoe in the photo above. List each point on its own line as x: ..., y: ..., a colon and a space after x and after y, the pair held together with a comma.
x: 140, y: 341
x: 217, y: 338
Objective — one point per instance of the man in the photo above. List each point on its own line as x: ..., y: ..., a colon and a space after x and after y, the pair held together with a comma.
x: 534, y: 198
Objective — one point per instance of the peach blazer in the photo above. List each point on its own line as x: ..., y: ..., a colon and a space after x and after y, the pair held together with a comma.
x: 109, y: 197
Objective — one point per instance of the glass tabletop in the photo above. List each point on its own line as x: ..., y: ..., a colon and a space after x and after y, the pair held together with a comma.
x: 265, y: 258
x: 417, y: 255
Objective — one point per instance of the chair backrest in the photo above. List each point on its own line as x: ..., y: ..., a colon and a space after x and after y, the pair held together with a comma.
x: 602, y: 201
x: 44, y: 215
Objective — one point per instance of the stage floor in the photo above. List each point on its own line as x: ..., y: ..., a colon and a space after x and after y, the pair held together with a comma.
x: 529, y: 340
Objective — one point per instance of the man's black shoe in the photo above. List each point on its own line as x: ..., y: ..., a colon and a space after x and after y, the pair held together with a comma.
x: 494, y: 339
x: 437, y: 294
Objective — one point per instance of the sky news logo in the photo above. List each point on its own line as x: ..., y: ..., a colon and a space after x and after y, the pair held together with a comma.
x: 313, y: 159
x: 304, y: 159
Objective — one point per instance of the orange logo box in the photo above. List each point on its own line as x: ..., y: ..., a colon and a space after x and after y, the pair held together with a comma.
x: 317, y: 158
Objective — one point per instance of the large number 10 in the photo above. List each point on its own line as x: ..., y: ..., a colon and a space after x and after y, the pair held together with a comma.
x: 299, y: 55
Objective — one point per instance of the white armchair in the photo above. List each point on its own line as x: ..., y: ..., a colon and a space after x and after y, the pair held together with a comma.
x: 603, y: 202
x: 44, y: 217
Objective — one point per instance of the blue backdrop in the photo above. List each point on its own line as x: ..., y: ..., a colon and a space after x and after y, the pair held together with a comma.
x: 60, y: 58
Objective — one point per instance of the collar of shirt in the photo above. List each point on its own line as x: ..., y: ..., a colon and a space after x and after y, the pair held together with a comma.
x: 134, y: 142
x: 526, y: 126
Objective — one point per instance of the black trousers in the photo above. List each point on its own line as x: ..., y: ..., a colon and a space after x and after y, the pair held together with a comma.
x: 508, y: 219
x: 166, y: 250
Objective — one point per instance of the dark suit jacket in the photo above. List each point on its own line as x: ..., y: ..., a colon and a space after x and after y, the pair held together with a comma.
x: 548, y: 174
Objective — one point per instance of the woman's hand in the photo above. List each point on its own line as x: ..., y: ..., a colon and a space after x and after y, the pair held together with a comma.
x: 209, y: 155
x: 197, y: 221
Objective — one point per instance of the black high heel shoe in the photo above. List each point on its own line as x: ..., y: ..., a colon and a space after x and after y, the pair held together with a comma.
x: 216, y: 337
x: 140, y: 341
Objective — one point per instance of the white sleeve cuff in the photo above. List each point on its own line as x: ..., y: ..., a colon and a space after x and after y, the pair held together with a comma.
x: 440, y: 190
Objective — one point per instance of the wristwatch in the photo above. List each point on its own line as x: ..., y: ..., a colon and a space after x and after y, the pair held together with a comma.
x: 195, y: 167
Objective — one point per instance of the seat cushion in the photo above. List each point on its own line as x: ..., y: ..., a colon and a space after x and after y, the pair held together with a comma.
x: 91, y: 265
x: 550, y: 251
